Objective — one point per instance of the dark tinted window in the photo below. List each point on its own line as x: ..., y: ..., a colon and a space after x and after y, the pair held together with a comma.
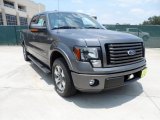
x: 42, y: 21
x: 11, y: 19
x: 1, y: 20
x: 21, y: 8
x: 34, y: 20
x: 9, y: 4
x: 23, y: 21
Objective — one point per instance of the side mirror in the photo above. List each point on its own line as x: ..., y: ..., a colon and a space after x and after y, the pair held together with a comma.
x: 37, y: 28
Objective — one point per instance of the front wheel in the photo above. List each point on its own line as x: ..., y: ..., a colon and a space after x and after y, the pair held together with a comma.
x: 62, y: 78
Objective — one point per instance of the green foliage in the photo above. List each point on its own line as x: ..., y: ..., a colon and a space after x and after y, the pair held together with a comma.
x: 155, y: 20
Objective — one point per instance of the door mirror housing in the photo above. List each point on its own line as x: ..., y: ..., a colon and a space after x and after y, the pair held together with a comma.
x: 37, y: 28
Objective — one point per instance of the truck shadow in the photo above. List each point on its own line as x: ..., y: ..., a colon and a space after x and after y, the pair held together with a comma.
x: 106, y: 99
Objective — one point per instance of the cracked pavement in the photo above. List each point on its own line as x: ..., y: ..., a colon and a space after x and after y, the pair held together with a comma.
x: 26, y: 93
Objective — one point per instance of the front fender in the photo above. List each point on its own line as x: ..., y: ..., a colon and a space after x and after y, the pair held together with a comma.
x: 65, y: 51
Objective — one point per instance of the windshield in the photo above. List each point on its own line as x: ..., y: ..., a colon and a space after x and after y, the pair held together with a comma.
x: 73, y: 21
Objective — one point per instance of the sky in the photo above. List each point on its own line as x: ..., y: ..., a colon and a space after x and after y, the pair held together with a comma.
x: 108, y: 11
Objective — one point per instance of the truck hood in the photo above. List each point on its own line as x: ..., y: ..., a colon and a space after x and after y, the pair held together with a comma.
x: 97, y: 37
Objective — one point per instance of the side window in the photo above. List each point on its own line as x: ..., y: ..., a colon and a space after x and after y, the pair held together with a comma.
x: 42, y: 21
x: 34, y: 20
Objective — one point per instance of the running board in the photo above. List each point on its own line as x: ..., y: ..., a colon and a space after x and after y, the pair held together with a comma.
x: 41, y: 66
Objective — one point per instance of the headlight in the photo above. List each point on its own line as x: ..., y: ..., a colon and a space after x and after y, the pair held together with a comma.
x: 88, y: 54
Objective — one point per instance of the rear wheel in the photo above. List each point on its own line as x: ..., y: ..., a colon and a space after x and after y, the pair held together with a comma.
x: 62, y: 78
x: 25, y: 54
x: 145, y: 38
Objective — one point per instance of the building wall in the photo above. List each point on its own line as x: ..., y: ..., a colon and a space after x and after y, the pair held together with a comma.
x: 30, y: 8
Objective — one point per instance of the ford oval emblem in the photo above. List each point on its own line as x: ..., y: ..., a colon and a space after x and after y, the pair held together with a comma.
x: 131, y: 52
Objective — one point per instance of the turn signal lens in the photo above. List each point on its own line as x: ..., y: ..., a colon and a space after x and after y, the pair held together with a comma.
x: 34, y: 30
x: 77, y: 53
x: 88, y: 54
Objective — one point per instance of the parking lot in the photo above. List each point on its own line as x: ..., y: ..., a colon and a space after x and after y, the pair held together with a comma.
x: 26, y: 93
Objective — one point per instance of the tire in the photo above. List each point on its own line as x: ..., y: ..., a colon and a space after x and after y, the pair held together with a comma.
x: 62, y: 78
x: 25, y: 54
x: 145, y: 38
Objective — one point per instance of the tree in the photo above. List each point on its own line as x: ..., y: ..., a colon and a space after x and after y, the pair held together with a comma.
x: 155, y: 20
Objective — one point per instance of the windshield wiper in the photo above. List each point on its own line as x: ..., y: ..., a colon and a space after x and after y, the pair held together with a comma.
x: 65, y: 27
x: 92, y: 27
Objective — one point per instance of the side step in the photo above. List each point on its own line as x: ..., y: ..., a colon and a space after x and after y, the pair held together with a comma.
x: 41, y: 66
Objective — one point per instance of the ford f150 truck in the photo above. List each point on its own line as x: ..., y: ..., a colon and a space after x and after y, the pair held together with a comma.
x: 81, y: 54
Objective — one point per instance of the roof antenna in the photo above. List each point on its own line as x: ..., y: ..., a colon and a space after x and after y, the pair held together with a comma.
x: 58, y: 15
x: 58, y: 5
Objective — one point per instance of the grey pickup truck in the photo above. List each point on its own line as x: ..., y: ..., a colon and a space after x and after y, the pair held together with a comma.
x: 81, y: 54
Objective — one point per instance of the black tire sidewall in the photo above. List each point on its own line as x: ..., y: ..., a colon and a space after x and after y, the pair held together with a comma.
x: 26, y: 53
x: 145, y: 38
x: 69, y: 87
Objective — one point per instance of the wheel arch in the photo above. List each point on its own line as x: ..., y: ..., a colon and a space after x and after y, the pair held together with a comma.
x: 22, y: 38
x: 145, y: 37
x: 59, y: 54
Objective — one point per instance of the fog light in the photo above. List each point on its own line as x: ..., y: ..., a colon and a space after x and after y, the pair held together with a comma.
x: 131, y: 76
x: 94, y: 82
x: 91, y: 82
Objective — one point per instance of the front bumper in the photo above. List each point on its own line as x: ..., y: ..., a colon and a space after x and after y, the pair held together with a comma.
x: 106, y: 81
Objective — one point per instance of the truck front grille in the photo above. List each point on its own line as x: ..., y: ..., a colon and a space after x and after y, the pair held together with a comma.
x: 124, y: 53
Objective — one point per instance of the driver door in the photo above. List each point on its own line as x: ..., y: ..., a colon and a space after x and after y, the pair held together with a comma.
x: 43, y: 41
